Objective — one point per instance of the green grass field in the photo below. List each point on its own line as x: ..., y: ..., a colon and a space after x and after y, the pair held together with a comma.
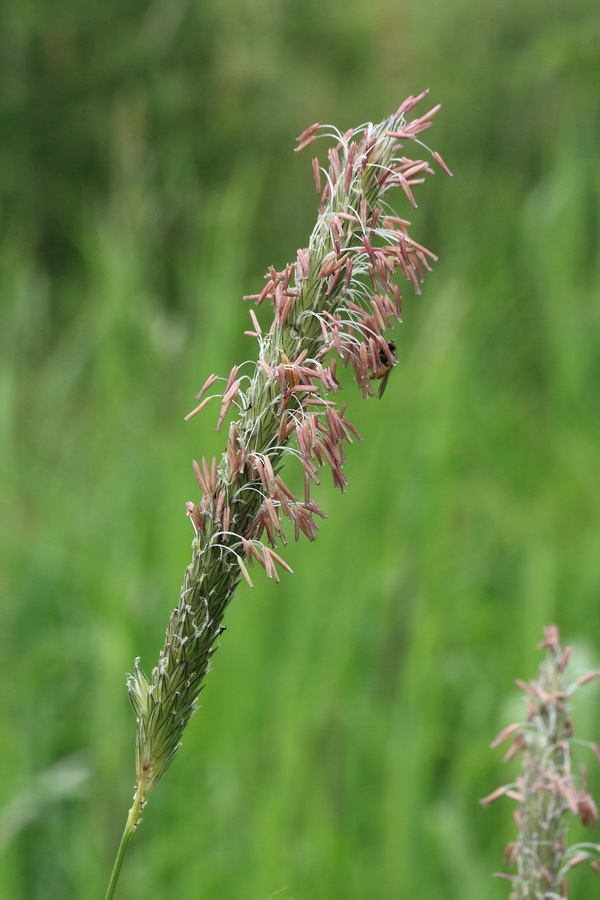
x: 147, y: 182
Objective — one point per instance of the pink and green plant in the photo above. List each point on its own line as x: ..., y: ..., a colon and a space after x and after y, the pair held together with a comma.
x: 548, y: 791
x: 332, y: 305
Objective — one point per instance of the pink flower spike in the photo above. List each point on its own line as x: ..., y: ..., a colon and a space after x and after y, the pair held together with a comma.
x: 334, y: 301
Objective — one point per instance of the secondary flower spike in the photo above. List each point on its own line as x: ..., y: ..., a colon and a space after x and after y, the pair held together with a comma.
x: 331, y: 307
x: 547, y: 790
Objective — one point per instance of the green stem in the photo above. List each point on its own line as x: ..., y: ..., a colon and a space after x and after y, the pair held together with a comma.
x: 132, y: 818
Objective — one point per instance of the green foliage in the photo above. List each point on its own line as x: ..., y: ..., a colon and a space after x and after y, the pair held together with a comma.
x: 146, y: 183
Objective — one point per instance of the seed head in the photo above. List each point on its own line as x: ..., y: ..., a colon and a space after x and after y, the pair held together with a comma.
x: 547, y: 789
x: 333, y: 304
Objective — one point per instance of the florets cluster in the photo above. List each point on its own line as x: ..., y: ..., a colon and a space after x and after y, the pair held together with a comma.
x: 547, y: 790
x: 332, y: 305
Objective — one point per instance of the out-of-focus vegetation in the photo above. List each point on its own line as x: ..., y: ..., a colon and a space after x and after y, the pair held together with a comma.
x: 146, y: 183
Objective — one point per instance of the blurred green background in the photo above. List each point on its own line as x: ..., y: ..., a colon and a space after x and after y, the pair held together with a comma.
x: 147, y: 180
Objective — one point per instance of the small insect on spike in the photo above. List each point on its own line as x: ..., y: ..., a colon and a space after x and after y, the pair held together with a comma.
x: 388, y: 361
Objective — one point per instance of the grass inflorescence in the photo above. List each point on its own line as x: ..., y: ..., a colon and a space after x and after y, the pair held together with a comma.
x: 547, y: 791
x: 332, y: 305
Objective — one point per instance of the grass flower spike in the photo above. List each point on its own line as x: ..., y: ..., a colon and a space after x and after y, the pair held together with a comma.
x: 331, y: 306
x: 547, y: 789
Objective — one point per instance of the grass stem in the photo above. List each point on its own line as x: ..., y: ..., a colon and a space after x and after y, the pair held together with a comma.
x: 130, y: 826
